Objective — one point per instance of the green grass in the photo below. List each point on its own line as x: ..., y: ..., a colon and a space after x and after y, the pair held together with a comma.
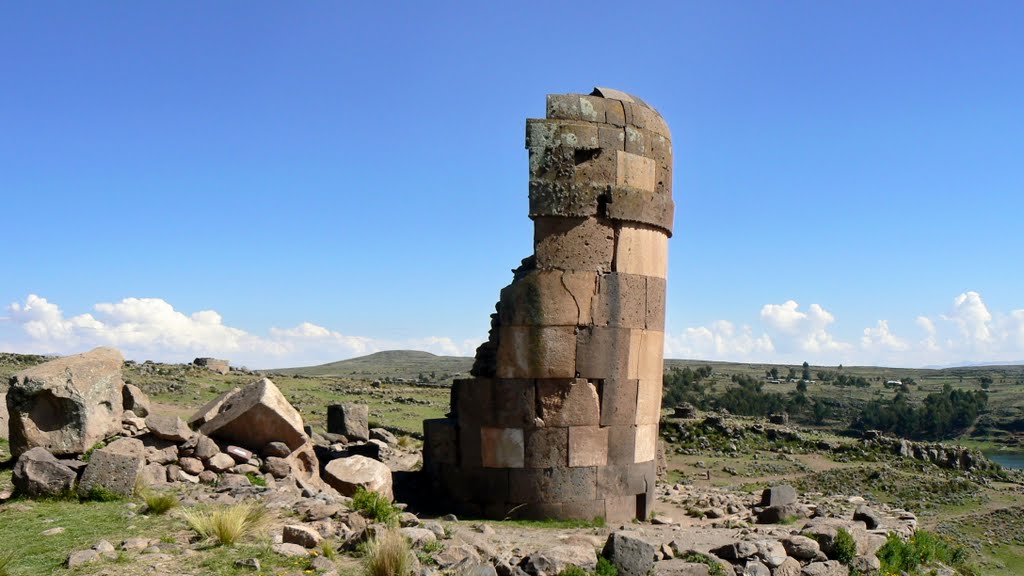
x: 222, y: 562
x: 84, y: 523
x: 6, y: 562
x: 922, y: 549
x: 159, y: 502
x: 256, y: 479
x: 714, y: 568
x: 374, y: 506
x: 553, y: 524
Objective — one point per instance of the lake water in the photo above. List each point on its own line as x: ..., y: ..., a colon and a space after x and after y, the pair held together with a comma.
x: 1007, y: 459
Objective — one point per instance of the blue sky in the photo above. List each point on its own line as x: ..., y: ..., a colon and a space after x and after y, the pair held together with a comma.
x: 285, y: 185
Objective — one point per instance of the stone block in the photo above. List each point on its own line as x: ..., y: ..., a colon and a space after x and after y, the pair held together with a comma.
x: 537, y: 352
x: 608, y: 352
x: 621, y: 301
x: 656, y: 304
x: 646, y: 445
x: 580, y: 244
x: 256, y: 415
x: 576, y: 135
x: 540, y: 133
x: 552, y: 484
x: 651, y: 365
x: 641, y: 250
x: 568, y: 402
x: 592, y: 108
x: 630, y: 552
x: 471, y: 400
x: 548, y: 298
x: 649, y: 207
x: 346, y: 475
x: 566, y: 199
x: 470, y: 446
x: 66, y: 405
x: 621, y: 444
x: 636, y: 140
x: 488, y: 484
x: 583, y: 510
x: 551, y: 166
x: 39, y: 473
x: 618, y: 402
x: 513, y: 403
x: 614, y: 113
x: 622, y: 479
x: 547, y: 447
x: 350, y: 420
x: 563, y: 106
x: 112, y: 471
x: 619, y: 508
x: 588, y: 446
x: 502, y: 447
x: 648, y: 402
x: 612, y: 139
x: 598, y: 166
x: 634, y: 171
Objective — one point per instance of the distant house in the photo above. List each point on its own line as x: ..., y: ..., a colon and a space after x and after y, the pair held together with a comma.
x: 893, y: 383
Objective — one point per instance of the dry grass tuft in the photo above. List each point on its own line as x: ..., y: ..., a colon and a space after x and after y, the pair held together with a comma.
x: 389, y: 554
x: 228, y: 525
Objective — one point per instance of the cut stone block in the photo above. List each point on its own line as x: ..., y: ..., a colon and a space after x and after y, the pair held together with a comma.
x: 552, y: 484
x: 548, y: 298
x: 652, y: 353
x: 642, y: 250
x: 39, y: 473
x: 471, y: 400
x: 350, y: 420
x: 636, y: 140
x: 614, y: 113
x: 547, y: 447
x: 568, y: 200
x: 634, y: 171
x: 588, y: 446
x: 623, y: 479
x: 502, y: 447
x: 579, y: 244
x: 592, y: 108
x: 572, y: 402
x: 646, y: 447
x: 256, y: 415
x: 537, y: 352
x: 66, y: 405
x: 618, y: 402
x: 654, y: 208
x: 513, y: 403
x: 111, y: 471
x: 583, y: 510
x: 470, y: 446
x: 207, y: 411
x: 656, y: 304
x: 439, y: 441
x: 563, y: 106
x: 608, y: 352
x: 620, y: 508
x: 621, y: 301
x: 611, y: 138
x: 648, y: 402
x: 347, y: 474
x: 621, y: 444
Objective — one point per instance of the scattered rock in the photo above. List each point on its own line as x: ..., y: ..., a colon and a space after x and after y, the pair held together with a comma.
x: 251, y: 563
x: 167, y: 427
x: 81, y: 557
x: 220, y: 462
x: 66, y: 405
x: 191, y: 465
x: 350, y: 420
x: 39, y: 473
x: 418, y: 536
x: 347, y: 474
x: 630, y: 553
x: 302, y: 535
x: 276, y: 450
x: 778, y: 496
x: 255, y: 416
x: 869, y: 516
x: 112, y: 471
x: 241, y: 455
x: 52, y: 531
x: 214, y: 365
x: 383, y: 435
x: 291, y: 550
x: 135, y: 400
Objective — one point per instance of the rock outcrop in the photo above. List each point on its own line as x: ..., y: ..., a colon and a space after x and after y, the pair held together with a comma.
x: 66, y: 405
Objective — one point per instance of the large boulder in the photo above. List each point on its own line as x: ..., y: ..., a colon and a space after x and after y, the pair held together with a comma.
x: 350, y: 420
x: 66, y: 405
x: 115, y: 469
x: 168, y: 427
x: 135, y: 400
x: 211, y: 408
x: 253, y: 417
x: 39, y: 473
x: 632, y: 554
x: 346, y: 475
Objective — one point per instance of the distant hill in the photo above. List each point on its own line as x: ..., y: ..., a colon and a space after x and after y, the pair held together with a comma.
x: 390, y: 363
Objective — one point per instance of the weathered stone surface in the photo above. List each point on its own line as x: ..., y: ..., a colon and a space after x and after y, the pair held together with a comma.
x: 645, y: 448
x: 350, y: 420
x: 347, y: 474
x: 553, y: 484
x: 571, y: 402
x: 214, y: 364
x: 830, y: 568
x: 39, y: 473
x: 574, y: 244
x: 621, y: 301
x: 302, y: 535
x: 537, y: 352
x: 778, y: 495
x: 207, y: 411
x: 588, y: 446
x: 801, y: 547
x: 191, y: 465
x: 549, y: 298
x: 256, y: 415
x: 608, y: 352
x: 440, y: 442
x: 66, y: 405
x: 502, y: 447
x: 630, y: 553
x: 82, y: 557
x: 642, y: 250
x: 168, y: 427
x: 547, y: 447
x: 679, y: 567
x: 220, y: 462
x: 111, y: 471
x: 134, y: 399
x: 871, y: 518
x: 277, y: 449
x: 126, y: 446
x: 551, y: 561
x: 756, y: 568
x: 789, y: 567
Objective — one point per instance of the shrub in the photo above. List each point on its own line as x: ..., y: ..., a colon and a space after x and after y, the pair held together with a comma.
x: 389, y: 554
x: 160, y: 503
x: 845, y: 546
x: 605, y: 567
x: 923, y: 548
x: 573, y: 570
x: 256, y: 479
x: 374, y: 506
x: 714, y: 568
x: 226, y: 526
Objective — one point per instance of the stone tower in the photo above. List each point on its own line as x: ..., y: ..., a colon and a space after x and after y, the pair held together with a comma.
x: 561, y: 417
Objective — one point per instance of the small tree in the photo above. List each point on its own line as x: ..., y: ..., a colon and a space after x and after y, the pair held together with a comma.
x: 807, y: 371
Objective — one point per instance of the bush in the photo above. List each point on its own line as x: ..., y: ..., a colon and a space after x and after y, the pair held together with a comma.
x: 374, y: 506
x: 605, y: 567
x: 923, y: 548
x: 160, y: 503
x: 229, y: 525
x: 256, y: 479
x: 389, y: 554
x: 845, y: 547
x: 573, y: 570
x: 714, y: 568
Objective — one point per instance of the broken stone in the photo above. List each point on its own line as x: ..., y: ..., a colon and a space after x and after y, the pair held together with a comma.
x: 66, y: 405
x: 135, y: 400
x: 256, y: 415
x: 167, y: 427
x: 347, y: 474
x: 302, y: 535
x: 111, y: 471
x: 631, y: 554
x: 39, y: 473
x: 349, y: 420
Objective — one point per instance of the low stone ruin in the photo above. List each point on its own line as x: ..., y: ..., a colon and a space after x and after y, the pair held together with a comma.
x: 214, y: 364
x: 561, y: 419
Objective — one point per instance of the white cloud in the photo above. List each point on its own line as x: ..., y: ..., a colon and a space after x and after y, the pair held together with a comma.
x: 150, y: 328
x: 972, y: 317
x: 880, y: 338
x: 720, y: 341
x: 797, y: 331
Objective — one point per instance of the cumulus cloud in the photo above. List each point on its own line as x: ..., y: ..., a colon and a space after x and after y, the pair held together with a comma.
x: 798, y: 331
x: 880, y: 338
x: 721, y: 341
x: 150, y: 328
x: 971, y: 316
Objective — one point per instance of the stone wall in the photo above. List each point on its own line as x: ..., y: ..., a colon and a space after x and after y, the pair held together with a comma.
x: 561, y: 419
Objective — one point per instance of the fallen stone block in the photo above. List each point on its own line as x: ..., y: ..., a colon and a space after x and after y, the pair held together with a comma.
x: 348, y: 474
x: 630, y: 553
x: 134, y: 399
x: 111, y: 471
x: 255, y: 416
x: 349, y: 420
x: 39, y: 473
x: 168, y: 427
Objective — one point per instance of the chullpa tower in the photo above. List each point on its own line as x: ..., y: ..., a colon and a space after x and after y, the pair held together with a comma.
x: 561, y: 417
